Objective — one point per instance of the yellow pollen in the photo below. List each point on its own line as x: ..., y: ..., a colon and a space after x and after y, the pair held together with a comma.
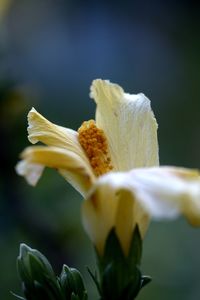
x: 93, y: 141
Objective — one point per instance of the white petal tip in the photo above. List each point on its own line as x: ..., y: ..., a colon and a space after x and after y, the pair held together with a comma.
x: 33, y: 120
x: 31, y: 172
x: 31, y: 114
x: 100, y: 87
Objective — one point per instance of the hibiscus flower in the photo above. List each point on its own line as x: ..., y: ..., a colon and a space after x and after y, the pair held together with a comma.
x: 113, y: 162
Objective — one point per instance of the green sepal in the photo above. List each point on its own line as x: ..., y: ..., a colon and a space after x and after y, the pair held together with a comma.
x: 46, y: 289
x: 74, y: 297
x: 120, y: 276
x: 145, y: 280
x: 135, y: 251
x: 133, y: 287
x: 31, y: 264
x: 113, y: 250
x: 17, y: 296
x: 39, y: 291
x: 37, y: 275
x: 95, y: 279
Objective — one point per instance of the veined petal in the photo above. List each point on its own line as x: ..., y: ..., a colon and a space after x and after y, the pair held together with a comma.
x: 164, y: 192
x: 108, y: 206
x: 69, y: 164
x: 168, y: 192
x: 64, y: 152
x: 125, y: 219
x: 129, y: 125
x: 42, y: 130
x: 98, y: 214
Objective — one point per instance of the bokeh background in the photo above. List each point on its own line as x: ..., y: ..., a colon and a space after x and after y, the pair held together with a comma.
x: 50, y: 51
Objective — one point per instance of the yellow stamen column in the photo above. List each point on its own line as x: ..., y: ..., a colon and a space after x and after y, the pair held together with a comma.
x: 93, y: 141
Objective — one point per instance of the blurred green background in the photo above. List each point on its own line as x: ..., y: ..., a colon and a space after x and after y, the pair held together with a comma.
x: 50, y: 51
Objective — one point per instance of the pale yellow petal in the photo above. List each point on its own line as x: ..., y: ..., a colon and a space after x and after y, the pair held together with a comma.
x: 124, y: 220
x: 190, y: 206
x: 164, y: 192
x: 42, y: 130
x: 160, y: 193
x: 98, y: 215
x: 167, y: 192
x: 68, y: 153
x: 66, y: 162
x: 32, y: 172
x: 111, y: 205
x: 129, y: 125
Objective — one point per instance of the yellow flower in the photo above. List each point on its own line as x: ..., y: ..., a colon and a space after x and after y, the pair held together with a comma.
x: 113, y: 162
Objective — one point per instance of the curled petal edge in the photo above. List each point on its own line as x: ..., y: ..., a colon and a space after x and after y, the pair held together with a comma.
x: 69, y: 165
x: 123, y: 199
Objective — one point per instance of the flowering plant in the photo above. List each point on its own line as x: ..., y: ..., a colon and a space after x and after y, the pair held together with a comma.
x: 113, y: 162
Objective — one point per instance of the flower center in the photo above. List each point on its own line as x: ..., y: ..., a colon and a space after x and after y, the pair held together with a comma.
x: 93, y: 141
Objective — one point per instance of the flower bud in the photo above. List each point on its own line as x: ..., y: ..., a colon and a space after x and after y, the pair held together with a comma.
x: 72, y: 284
x: 39, y: 281
x: 37, y: 276
x: 32, y: 264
